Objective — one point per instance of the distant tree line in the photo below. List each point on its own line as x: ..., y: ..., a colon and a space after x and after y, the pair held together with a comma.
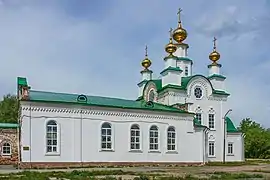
x: 257, y: 138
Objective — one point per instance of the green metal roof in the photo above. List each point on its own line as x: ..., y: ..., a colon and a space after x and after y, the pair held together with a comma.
x: 21, y: 81
x: 53, y: 97
x: 216, y: 76
x: 184, y: 83
x: 176, y: 69
x: 9, y: 125
x: 230, y: 126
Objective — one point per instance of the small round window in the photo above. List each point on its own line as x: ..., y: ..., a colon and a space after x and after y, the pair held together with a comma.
x: 198, y: 92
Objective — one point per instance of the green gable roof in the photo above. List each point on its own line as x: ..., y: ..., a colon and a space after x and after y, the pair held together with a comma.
x: 184, y: 83
x: 52, y: 97
x: 230, y: 126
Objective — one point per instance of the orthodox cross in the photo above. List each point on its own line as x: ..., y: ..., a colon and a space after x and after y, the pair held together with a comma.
x: 215, y: 39
x: 146, y: 53
x: 179, y: 14
x: 170, y: 31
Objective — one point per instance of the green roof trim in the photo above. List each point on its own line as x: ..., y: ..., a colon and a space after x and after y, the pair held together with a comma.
x: 184, y: 59
x: 230, y: 126
x: 9, y: 125
x: 176, y: 69
x: 142, y: 82
x: 218, y: 65
x: 218, y: 76
x: 170, y: 57
x: 22, y: 81
x: 52, y: 97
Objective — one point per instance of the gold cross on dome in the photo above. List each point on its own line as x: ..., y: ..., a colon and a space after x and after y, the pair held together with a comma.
x: 170, y: 31
x: 179, y: 14
x: 215, y: 39
x: 146, y: 48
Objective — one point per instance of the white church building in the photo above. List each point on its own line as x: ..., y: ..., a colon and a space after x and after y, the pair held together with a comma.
x: 180, y: 118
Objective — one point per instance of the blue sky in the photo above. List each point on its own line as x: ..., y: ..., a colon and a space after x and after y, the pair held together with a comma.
x: 95, y: 47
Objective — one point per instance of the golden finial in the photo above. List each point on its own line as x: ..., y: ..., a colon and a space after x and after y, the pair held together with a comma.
x: 179, y: 34
x: 170, y: 48
x: 214, y: 55
x: 146, y: 63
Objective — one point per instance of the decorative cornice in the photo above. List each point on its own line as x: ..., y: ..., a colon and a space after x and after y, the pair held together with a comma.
x: 98, y: 113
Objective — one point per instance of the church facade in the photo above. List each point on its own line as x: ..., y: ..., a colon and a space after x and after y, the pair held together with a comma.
x: 180, y: 118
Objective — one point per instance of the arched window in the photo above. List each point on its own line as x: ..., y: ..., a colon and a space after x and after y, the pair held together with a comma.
x: 153, y: 138
x: 171, y: 139
x: 106, y: 136
x: 51, y: 137
x: 151, y: 96
x: 186, y: 71
x: 135, y: 137
x: 6, y: 149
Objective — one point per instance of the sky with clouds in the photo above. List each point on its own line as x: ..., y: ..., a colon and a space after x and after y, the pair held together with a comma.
x: 95, y: 47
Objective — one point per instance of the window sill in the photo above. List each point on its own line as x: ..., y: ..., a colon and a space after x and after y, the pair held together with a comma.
x: 171, y: 152
x: 52, y: 154
x: 211, y: 156
x: 136, y: 151
x: 212, y: 129
x: 6, y: 155
x: 230, y: 154
x: 154, y: 151
x: 106, y: 150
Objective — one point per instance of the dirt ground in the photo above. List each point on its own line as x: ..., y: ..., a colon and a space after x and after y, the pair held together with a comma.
x: 262, y: 168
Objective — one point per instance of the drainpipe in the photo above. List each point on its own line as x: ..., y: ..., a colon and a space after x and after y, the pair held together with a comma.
x: 81, y: 141
x: 224, y: 135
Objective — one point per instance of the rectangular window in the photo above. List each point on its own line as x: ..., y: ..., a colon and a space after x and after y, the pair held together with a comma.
x: 171, y: 139
x: 230, y: 148
x: 211, y: 149
x: 211, y: 121
x: 199, y: 117
x: 153, y: 138
x: 186, y: 71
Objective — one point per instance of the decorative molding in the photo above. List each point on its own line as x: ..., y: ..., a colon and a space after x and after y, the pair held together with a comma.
x: 99, y: 113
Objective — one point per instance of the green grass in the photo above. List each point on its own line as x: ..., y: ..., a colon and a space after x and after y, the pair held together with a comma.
x: 109, y: 175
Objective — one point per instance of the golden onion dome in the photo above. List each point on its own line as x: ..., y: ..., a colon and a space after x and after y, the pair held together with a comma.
x: 170, y: 47
x: 179, y: 34
x: 214, y: 55
x: 146, y: 63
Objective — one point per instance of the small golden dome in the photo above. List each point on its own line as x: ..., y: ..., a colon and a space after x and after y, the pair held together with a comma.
x: 170, y: 48
x: 179, y: 34
x: 214, y: 55
x: 146, y: 63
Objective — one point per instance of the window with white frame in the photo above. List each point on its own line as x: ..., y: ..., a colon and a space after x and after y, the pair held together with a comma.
x: 198, y: 116
x: 51, y: 137
x: 171, y: 139
x: 230, y: 148
x: 211, y: 148
x: 153, y: 138
x: 135, y: 137
x: 211, y: 121
x: 186, y: 71
x: 6, y: 149
x: 106, y: 136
